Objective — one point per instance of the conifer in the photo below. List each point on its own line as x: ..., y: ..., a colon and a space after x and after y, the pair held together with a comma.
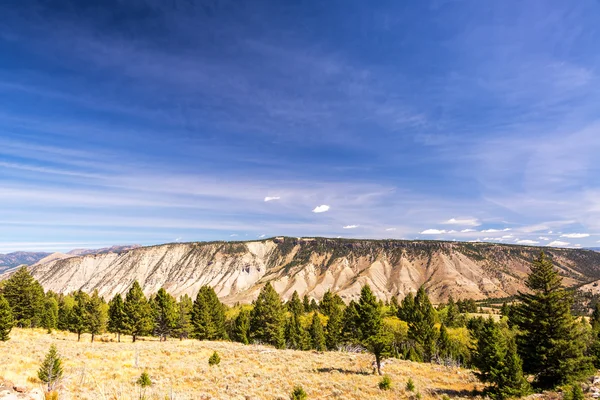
x: 369, y: 314
x: 25, y: 297
x: 295, y: 335
x: 116, y: 316
x: 241, y: 329
x: 452, y: 319
x: 164, y: 313
x: 79, y: 317
x: 96, y: 315
x: 51, y: 371
x: 421, y: 326
x: 183, y: 324
x: 317, y: 337
x: 50, y: 314
x: 65, y: 310
x: 407, y: 308
x: 267, y: 319
x: 138, y: 315
x: 326, y: 304
x: 294, y: 305
x: 306, y: 303
x: 444, y: 345
x: 550, y: 341
x: 208, y: 316
x: 333, y: 330
x: 6, y: 319
x: 350, y: 323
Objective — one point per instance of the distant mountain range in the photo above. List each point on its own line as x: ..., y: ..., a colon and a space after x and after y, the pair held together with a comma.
x: 17, y: 258
x: 311, y: 266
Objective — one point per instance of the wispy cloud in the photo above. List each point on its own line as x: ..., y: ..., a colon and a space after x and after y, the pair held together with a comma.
x: 575, y: 235
x: 272, y: 198
x: 350, y: 227
x: 321, y: 209
x: 558, y: 243
x: 463, y: 221
x: 527, y: 241
x: 433, y: 232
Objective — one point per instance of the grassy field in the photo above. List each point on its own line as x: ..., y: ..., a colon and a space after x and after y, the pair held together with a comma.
x: 179, y: 370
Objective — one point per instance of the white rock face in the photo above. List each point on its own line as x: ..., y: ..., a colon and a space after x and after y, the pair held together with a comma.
x: 237, y: 271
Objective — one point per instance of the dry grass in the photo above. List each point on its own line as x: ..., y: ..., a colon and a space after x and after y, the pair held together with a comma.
x: 179, y: 370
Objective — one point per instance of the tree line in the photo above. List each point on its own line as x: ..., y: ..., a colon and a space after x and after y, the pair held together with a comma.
x: 536, y: 337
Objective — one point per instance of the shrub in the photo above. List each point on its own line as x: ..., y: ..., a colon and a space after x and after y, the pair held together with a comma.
x: 144, y: 380
x: 215, y: 359
x: 410, y: 385
x: 51, y: 371
x: 298, y: 394
x: 385, y: 383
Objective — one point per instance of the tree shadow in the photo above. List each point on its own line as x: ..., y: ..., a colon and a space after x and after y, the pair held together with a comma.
x: 457, y: 393
x: 343, y: 371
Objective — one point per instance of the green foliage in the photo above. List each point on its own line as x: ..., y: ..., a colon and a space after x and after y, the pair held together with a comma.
x: 25, y: 297
x: 138, y: 314
x: 214, y: 359
x: 385, y: 383
x: 421, y: 325
x: 333, y: 330
x: 350, y: 323
x: 267, y: 323
x: 208, y: 316
x: 550, y: 341
x: 317, y: 337
x: 410, y: 385
x: 294, y: 305
x: 407, y: 308
x: 467, y: 306
x: 164, y: 312
x: 295, y: 335
x: 241, y: 329
x: 79, y: 315
x: 66, y: 303
x: 51, y: 371
x: 298, y: 393
x: 498, y: 363
x: 369, y: 314
x: 453, y: 317
x: 306, y: 304
x: 144, y: 380
x: 6, y: 319
x: 96, y: 315
x: 183, y: 321
x: 117, y: 316
x: 50, y: 314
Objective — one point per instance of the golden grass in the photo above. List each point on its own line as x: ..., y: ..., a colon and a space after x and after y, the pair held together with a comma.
x: 179, y: 370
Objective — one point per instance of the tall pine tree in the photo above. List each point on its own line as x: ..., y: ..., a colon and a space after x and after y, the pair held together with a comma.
x: 550, y: 340
x: 421, y: 326
x: 241, y: 329
x: 333, y: 330
x: 164, y: 313
x: 138, y: 315
x: 208, y: 316
x: 317, y: 337
x: 79, y: 316
x: 6, y: 319
x: 25, y: 297
x: 267, y: 320
x: 116, y: 316
x: 183, y: 323
x: 96, y: 314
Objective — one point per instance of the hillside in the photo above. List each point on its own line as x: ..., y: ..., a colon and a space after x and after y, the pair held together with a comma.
x: 237, y: 270
x: 108, y: 370
x: 20, y: 257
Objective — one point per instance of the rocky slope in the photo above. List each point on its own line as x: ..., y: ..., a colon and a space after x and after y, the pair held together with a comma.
x: 20, y: 257
x: 237, y: 270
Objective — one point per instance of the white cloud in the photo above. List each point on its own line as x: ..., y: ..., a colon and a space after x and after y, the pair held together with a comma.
x: 463, y: 221
x: 350, y: 227
x: 272, y: 198
x: 433, y: 232
x: 575, y: 235
x: 390, y: 229
x: 467, y: 230
x: 526, y: 241
x: 233, y: 235
x: 320, y: 209
x: 495, y: 230
x: 178, y: 239
x: 543, y: 238
x: 507, y: 236
x: 262, y: 236
x: 557, y: 243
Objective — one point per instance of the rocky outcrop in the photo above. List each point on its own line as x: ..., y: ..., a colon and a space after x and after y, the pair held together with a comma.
x: 237, y: 270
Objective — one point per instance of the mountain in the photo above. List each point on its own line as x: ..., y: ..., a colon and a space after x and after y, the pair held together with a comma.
x: 112, y: 249
x: 20, y: 257
x: 237, y: 270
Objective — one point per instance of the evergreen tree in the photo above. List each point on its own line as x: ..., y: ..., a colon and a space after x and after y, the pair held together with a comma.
x: 380, y: 346
x: 25, y: 297
x: 51, y: 371
x: 350, y: 323
x: 50, y: 314
x: 595, y: 318
x: 498, y: 363
x: 241, y: 329
x: 407, y: 308
x: 295, y: 335
x: 79, y: 317
x: 317, y: 337
x: 165, y: 314
x: 369, y: 314
x: 6, y: 319
x: 306, y: 303
x: 421, y: 326
x: 326, y: 304
x: 394, y: 306
x: 444, y: 345
x: 313, y: 305
x: 505, y: 310
x: 294, y: 305
x: 452, y: 319
x: 96, y: 315
x: 183, y: 322
x: 116, y: 316
x: 267, y: 319
x: 333, y: 330
x: 208, y: 316
x: 138, y: 315
x: 66, y: 303
x: 550, y: 341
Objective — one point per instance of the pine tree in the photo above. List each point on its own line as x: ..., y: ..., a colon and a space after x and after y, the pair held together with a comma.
x: 183, y: 323
x: 295, y: 335
x: 380, y: 346
x: 317, y: 337
x: 165, y: 314
x: 550, y: 341
x: 306, y: 303
x: 313, y: 305
x: 208, y: 316
x: 333, y: 330
x: 595, y: 318
x: 369, y: 314
x: 350, y: 323
x: 407, y: 308
x: 66, y: 303
x: 51, y: 371
x: 138, y: 315
x: 6, y: 319
x: 96, y: 314
x: 452, y: 319
x: 50, y: 314
x: 25, y: 297
x: 241, y: 329
x: 444, y: 345
x: 421, y: 326
x: 294, y: 305
x: 116, y: 316
x: 498, y: 363
x: 394, y: 306
x: 267, y: 319
x: 79, y: 317
x: 326, y: 304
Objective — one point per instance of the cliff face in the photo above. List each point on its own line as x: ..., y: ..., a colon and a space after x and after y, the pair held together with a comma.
x: 237, y: 270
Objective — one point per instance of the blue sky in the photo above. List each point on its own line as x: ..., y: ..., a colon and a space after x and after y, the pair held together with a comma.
x: 150, y: 122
